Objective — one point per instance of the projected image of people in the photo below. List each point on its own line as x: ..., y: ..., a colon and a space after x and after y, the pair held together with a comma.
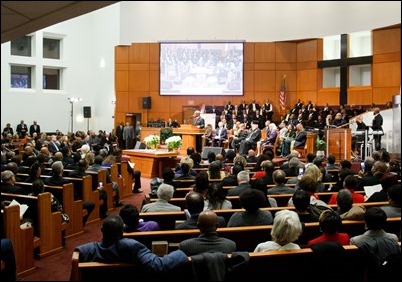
x: 201, y: 68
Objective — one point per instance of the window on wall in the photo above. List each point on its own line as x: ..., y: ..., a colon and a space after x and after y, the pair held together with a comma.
x: 347, y: 60
x: 51, y: 78
x: 21, y: 77
x: 21, y: 46
x: 51, y: 48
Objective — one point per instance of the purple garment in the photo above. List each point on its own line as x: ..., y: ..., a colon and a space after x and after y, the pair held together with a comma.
x: 143, y: 226
x: 147, y: 226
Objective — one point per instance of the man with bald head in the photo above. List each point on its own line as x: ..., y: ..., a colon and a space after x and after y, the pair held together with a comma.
x: 208, y: 241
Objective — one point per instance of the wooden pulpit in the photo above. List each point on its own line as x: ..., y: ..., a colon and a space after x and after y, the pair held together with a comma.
x: 339, y: 142
x: 188, y: 135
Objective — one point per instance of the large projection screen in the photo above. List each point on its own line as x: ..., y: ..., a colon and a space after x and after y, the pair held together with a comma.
x: 201, y: 68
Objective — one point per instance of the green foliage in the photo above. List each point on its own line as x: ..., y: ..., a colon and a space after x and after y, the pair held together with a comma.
x: 320, y: 144
x: 166, y: 132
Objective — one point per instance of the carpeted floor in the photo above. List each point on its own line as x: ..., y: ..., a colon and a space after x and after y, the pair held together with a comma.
x: 57, y: 267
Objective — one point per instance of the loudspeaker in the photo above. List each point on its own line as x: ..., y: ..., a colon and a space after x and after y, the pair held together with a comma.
x: 146, y: 102
x: 216, y: 150
x: 87, y: 112
x: 140, y: 145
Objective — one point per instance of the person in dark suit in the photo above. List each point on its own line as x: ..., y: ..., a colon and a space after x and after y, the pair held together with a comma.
x: 8, y: 129
x: 115, y: 248
x: 199, y: 122
x: 377, y: 128
x: 195, y: 205
x: 22, y: 129
x: 208, y: 241
x: 251, y: 141
x: 35, y: 127
x: 119, y: 134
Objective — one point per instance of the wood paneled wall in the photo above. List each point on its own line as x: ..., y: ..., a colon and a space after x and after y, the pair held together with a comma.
x: 265, y: 64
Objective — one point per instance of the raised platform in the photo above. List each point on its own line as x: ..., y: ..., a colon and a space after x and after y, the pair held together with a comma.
x: 151, y: 162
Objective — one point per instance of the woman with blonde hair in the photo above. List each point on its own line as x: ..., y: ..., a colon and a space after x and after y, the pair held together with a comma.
x: 316, y: 174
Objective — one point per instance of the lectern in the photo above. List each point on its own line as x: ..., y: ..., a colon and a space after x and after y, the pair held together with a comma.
x: 188, y: 135
x: 339, y: 142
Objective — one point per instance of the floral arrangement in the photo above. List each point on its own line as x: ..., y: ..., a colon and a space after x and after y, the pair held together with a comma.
x: 152, y: 141
x: 173, y: 142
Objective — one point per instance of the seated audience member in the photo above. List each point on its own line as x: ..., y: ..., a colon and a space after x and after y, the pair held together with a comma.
x: 330, y: 223
x: 251, y: 158
x: 301, y: 201
x: 231, y: 179
x: 7, y: 184
x: 243, y: 179
x: 349, y: 183
x: 216, y: 198
x: 208, y: 241
x: 214, y: 171
x: 115, y: 248
x: 195, y: 205
x: 132, y: 222
x: 346, y: 209
x: 135, y: 174
x: 164, y: 193
x: 378, y: 246
x: 285, y: 230
x: 221, y: 135
x: 279, y: 178
x: 262, y: 182
x: 251, y: 200
x: 97, y: 167
x: 394, y: 198
x: 185, y: 172
x: 9, y: 271
x: 168, y: 176
x: 38, y: 187
x: 387, y: 180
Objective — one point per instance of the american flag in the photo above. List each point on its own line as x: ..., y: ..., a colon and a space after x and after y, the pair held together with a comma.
x: 282, y: 94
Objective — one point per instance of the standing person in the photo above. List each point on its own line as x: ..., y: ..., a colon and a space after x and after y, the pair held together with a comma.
x: 9, y: 270
x: 138, y: 128
x: 129, y: 136
x: 199, y: 122
x: 377, y: 128
x: 22, y: 129
x: 35, y: 127
x: 8, y: 129
x: 119, y: 134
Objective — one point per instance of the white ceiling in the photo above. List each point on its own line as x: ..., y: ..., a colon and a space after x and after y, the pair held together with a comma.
x: 19, y: 18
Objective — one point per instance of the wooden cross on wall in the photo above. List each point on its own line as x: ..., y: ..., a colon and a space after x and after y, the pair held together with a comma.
x: 344, y: 62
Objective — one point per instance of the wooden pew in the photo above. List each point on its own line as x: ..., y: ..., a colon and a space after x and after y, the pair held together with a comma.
x: 48, y: 225
x: 22, y: 238
x: 282, y: 199
x: 272, y: 264
x: 100, y: 176
x: 83, y: 189
x: 167, y: 220
x: 128, y: 179
x: 255, y: 234
x: 65, y: 194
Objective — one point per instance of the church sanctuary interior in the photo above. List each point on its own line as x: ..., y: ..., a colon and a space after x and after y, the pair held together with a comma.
x: 169, y: 122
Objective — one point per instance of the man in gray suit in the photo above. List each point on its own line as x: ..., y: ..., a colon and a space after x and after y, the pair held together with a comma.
x: 208, y: 241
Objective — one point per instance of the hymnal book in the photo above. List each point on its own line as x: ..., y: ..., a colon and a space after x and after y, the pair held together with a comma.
x: 23, y: 207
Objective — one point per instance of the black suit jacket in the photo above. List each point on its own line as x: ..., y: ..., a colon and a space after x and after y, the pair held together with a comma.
x: 32, y: 129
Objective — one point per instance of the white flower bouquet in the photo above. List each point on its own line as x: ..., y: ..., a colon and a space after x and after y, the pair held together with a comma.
x: 152, y: 141
x: 173, y: 143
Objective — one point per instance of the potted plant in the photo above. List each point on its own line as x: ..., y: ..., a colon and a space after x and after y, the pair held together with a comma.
x: 320, y: 146
x: 166, y: 132
x: 173, y: 143
x: 152, y: 141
